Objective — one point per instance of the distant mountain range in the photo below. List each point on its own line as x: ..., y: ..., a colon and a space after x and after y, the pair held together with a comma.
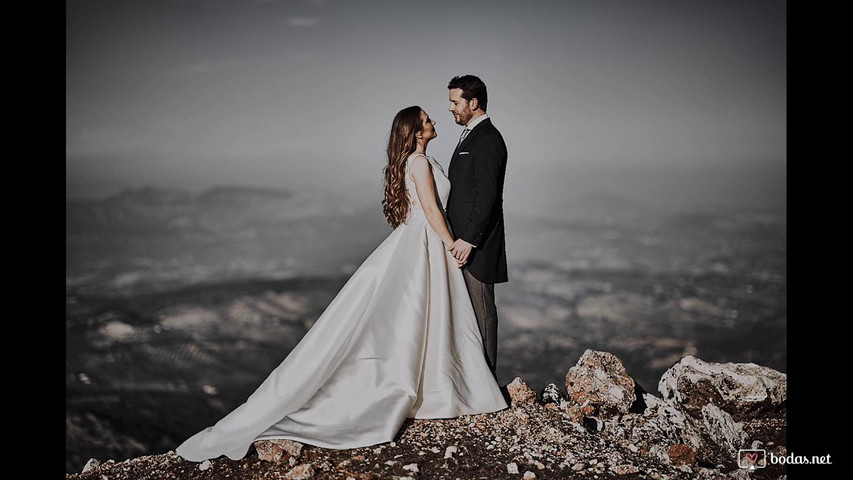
x: 222, y: 209
x: 154, y: 236
x: 590, y: 192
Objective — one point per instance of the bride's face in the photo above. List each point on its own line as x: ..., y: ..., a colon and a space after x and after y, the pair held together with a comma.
x: 427, y: 127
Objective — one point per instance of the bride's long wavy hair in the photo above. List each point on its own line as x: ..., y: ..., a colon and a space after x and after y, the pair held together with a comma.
x: 401, y: 144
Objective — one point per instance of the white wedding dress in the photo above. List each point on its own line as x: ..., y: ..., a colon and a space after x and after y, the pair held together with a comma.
x: 400, y: 340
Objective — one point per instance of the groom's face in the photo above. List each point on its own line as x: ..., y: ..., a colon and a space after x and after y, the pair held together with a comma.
x: 459, y: 107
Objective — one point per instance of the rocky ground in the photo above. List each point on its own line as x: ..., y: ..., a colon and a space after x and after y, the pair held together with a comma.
x: 602, y: 426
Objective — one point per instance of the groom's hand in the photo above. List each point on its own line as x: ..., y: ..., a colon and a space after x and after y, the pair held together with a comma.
x: 460, y: 250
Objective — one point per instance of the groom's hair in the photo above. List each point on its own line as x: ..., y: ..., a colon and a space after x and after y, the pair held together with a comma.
x: 472, y: 87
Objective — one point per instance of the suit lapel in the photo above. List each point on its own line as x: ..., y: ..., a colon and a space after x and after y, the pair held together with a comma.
x: 473, y: 133
x: 464, y: 143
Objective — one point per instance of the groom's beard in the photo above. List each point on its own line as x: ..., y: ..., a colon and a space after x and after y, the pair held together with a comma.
x: 463, y: 118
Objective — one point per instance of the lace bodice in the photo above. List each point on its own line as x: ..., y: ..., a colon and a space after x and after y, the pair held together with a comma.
x: 442, y: 186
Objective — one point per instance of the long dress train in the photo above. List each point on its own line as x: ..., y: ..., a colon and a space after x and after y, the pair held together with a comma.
x: 400, y: 340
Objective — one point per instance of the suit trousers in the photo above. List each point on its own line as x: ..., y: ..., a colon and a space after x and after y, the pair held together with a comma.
x: 483, y: 301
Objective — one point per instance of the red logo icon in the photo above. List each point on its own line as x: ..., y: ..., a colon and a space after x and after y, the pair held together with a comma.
x: 751, y: 459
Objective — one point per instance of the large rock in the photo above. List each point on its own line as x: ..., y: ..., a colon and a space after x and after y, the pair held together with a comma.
x: 711, y: 409
x: 520, y: 393
x: 712, y: 437
x: 743, y: 390
x: 599, y: 385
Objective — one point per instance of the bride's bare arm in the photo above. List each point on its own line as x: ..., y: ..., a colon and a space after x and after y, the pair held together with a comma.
x: 421, y: 172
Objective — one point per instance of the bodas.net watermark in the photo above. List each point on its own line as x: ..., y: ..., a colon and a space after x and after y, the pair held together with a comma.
x: 759, y: 458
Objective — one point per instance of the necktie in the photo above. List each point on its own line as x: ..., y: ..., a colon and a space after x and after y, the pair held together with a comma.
x: 464, y: 134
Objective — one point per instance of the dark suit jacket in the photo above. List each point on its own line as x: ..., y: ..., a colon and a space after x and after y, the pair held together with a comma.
x: 475, y: 206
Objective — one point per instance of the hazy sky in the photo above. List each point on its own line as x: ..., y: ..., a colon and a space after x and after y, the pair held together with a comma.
x: 193, y: 93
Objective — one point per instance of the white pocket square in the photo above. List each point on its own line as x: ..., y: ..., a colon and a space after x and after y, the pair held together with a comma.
x: 463, y: 153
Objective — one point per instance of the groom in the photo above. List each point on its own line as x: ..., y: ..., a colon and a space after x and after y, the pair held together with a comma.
x: 475, y: 206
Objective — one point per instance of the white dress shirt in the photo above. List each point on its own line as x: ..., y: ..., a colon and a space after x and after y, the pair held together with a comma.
x: 473, y: 123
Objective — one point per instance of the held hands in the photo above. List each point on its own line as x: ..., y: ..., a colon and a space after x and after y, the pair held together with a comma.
x: 450, y: 247
x: 460, y: 250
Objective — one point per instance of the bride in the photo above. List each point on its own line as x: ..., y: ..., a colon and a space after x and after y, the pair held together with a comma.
x: 400, y: 340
